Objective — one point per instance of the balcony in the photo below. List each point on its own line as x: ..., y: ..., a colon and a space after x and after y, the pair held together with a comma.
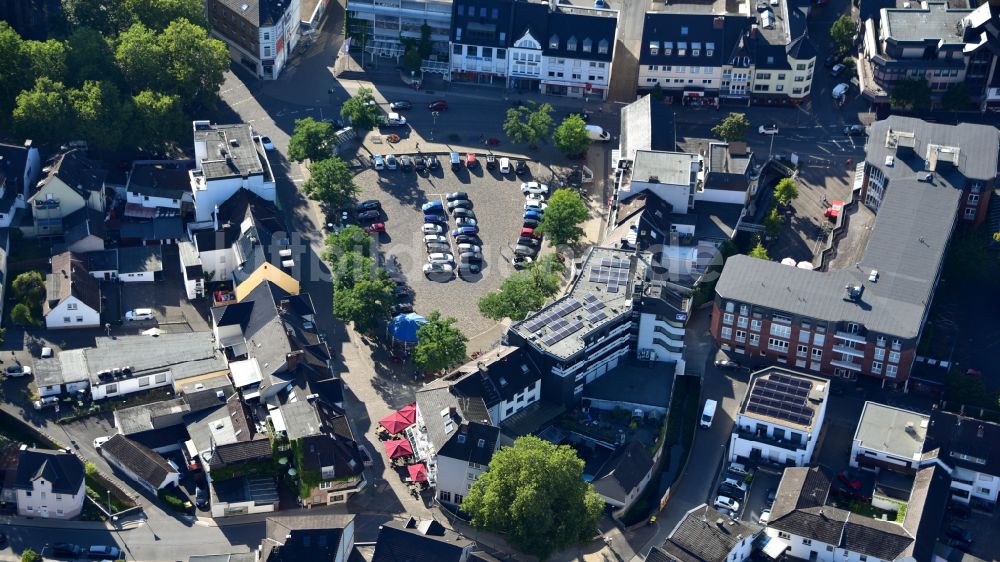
x: 768, y: 440
x: 846, y: 365
x: 848, y: 336
x: 854, y: 352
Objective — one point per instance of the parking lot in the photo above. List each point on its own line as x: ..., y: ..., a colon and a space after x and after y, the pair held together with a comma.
x: 499, y: 207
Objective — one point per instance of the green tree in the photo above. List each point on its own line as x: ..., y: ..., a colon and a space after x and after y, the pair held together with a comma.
x: 330, y: 182
x: 22, y: 316
x: 47, y: 59
x: 515, y: 126
x: 956, y: 98
x: 786, y: 191
x: 534, y: 493
x: 29, y: 288
x: 362, y: 293
x: 411, y: 61
x: 523, y: 291
x: 571, y: 136
x: 562, y: 219
x: 310, y: 141
x: 90, y: 469
x: 657, y: 93
x: 90, y: 56
x: 157, y: 14
x: 961, y: 388
x: 540, y: 121
x: 440, y: 344
x: 159, y: 119
x: 195, y: 62
x: 13, y: 77
x: 42, y: 113
x: 773, y: 222
x: 733, y: 128
x: 842, y: 33
x: 28, y: 555
x: 362, y: 110
x: 99, y: 114
x: 140, y: 59
x: 759, y: 252
x: 911, y: 93
x: 351, y: 238
x: 106, y: 16
x: 426, y: 45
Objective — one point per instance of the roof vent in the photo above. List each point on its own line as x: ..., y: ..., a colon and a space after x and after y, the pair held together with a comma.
x: 873, y: 276
x: 220, y: 395
x: 910, y: 428
x: 654, y: 179
x: 855, y: 292
x: 979, y: 432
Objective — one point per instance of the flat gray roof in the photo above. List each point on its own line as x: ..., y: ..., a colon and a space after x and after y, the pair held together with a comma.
x: 147, y: 354
x: 934, y: 23
x: 672, y: 168
x: 235, y: 141
x: 892, y: 430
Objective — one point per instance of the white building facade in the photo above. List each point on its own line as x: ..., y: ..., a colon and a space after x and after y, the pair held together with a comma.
x: 228, y: 157
x: 72, y: 313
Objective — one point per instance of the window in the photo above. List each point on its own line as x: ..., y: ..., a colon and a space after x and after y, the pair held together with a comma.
x: 970, y: 213
x: 554, y: 42
x: 58, y: 497
x: 755, y: 325
x: 325, y: 485
x: 571, y: 44
x: 487, y: 53
x: 470, y: 475
x: 445, y: 497
x: 800, y: 67
x: 111, y: 389
x: 71, y: 306
x: 781, y: 331
x: 44, y: 495
x: 779, y: 88
x: 807, y: 542
x: 891, y: 370
x: 28, y: 494
x: 160, y: 378
x: 65, y: 319
x: 801, y: 350
x: 829, y: 548
x: 457, y: 50
x: 741, y: 336
x: 706, y: 81
x: 267, y: 53
x: 495, y: 13
x: 501, y: 53
x: 880, y: 342
x: 727, y: 333
x: 894, y: 357
x: 727, y: 318
x: 876, y: 367
x: 144, y: 381
x: 783, y: 535
x: 709, y: 49
x: 654, y: 48
x: 79, y: 318
x: 742, y: 322
x: 863, y: 558
x: 461, y: 10
x: 588, y: 45
x: 59, y: 512
x: 820, y: 338
x: 796, y: 90
x: 817, y: 353
x: 754, y: 340
x: 458, y: 499
x: 602, y: 48
x: 777, y: 345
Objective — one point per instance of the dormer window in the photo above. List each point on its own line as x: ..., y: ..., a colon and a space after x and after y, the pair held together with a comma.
x: 602, y: 47
x: 682, y: 49
x: 709, y: 49
x: 695, y: 49
x: 588, y: 45
x: 654, y: 47
x: 668, y: 48
x: 571, y: 44
x: 554, y: 42
x: 684, y: 31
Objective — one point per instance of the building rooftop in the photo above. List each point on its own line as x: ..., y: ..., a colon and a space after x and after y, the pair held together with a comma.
x: 498, y: 375
x: 76, y: 170
x: 63, y: 368
x: 591, y: 31
x: 458, y: 426
x: 672, y: 168
x: 230, y: 150
x: 60, y: 468
x: 419, y: 541
x: 168, y: 179
x: 691, y: 39
x: 600, y: 295
x: 634, y: 384
x: 83, y: 223
x: 623, y: 472
x: 892, y: 430
x: 486, y: 23
x: 148, y: 417
x: 147, y: 355
x: 965, y: 442
x: 299, y: 538
x: 937, y: 23
x: 140, y: 259
x: 646, y: 126
x: 142, y: 461
x: 704, y: 535
x: 70, y: 277
x: 786, y: 398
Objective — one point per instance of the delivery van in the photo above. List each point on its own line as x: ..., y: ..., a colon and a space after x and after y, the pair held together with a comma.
x: 596, y: 133
x: 708, y: 414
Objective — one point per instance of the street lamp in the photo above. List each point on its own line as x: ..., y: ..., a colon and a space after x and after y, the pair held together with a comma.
x: 434, y: 116
x: 109, y: 501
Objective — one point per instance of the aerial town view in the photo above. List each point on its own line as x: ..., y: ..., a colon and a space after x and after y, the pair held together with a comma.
x: 500, y: 280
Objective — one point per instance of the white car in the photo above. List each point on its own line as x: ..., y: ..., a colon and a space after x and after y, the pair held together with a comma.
x: 45, y: 402
x: 46, y: 352
x: 770, y: 129
x: 101, y: 441
x: 391, y: 162
x: 437, y: 269
x: 17, y: 371
x: 764, y: 517
x: 379, y: 162
x: 465, y: 221
x: 462, y: 248
x: 505, y: 165
x: 534, y: 197
x: 535, y: 206
x: 395, y: 120
x: 737, y: 468
x: 266, y: 141
x: 435, y: 239
x: 534, y: 187
x: 139, y: 314
x: 431, y: 228
x: 441, y: 258
x: 728, y: 503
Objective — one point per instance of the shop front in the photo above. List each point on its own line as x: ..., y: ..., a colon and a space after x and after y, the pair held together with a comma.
x: 700, y: 98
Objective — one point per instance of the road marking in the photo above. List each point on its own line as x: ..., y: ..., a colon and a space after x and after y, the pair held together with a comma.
x: 251, y: 98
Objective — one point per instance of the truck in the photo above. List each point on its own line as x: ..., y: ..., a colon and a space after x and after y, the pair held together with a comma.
x: 708, y: 414
x: 596, y: 133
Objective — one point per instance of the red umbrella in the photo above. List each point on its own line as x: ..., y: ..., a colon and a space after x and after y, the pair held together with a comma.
x: 418, y: 472
x: 409, y: 413
x: 398, y: 448
x: 395, y: 423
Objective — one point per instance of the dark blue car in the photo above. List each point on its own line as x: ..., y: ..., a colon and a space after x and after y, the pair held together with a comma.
x: 432, y: 207
x: 441, y: 219
x: 533, y: 215
x: 465, y: 230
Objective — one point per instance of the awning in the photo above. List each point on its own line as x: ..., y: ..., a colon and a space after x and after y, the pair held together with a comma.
x: 409, y: 412
x: 775, y: 548
x: 398, y: 448
x: 418, y: 472
x: 395, y: 423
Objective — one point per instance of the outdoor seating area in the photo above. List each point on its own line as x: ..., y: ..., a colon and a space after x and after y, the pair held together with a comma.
x: 392, y: 433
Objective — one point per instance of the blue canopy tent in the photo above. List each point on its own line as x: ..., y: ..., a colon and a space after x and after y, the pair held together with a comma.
x: 403, y: 329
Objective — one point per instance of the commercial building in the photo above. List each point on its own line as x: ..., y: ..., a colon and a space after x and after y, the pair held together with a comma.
x: 227, y: 158
x: 505, y: 378
x: 260, y: 34
x: 49, y: 484
x: 921, y: 179
x: 386, y: 22
x: 780, y: 417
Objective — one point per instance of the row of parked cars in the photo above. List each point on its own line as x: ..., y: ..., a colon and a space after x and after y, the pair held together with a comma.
x: 529, y: 242
x: 732, y: 490
x: 440, y: 260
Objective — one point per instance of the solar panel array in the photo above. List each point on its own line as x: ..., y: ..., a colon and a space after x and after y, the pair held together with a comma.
x: 555, y: 313
x: 615, y: 275
x: 782, y: 397
x: 564, y: 331
x: 597, y: 317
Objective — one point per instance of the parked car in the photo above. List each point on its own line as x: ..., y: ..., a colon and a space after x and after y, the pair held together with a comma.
x: 440, y: 257
x: 738, y: 469
x: 464, y: 214
x: 528, y: 241
x: 469, y: 267
x: 437, y: 247
x: 390, y: 162
x: 138, y: 314
x: 957, y: 544
x: 534, y: 197
x: 395, y: 120
x: 435, y: 239
x: 438, y: 105
x: 458, y: 196
x: 601, y: 4
x: 201, y: 497
x: 45, y: 402
x: 465, y: 221
x: 738, y: 484
x: 420, y: 164
x: 433, y: 163
x: 727, y: 364
x: 533, y: 214
x: 837, y: 69
x: 432, y: 207
x: 431, y: 228
x: 103, y: 552
x: 832, y: 60
x: 470, y: 257
x: 437, y: 269
x: 400, y: 105
x: 469, y: 248
x: 456, y: 161
x: 854, y: 130
x: 850, y: 479
x: 531, y: 223
x: 728, y: 503
x: 522, y: 250
x: 765, y: 516
x: 769, y: 129
x: 520, y: 262
x: 375, y: 228
x: 505, y: 165
x: 529, y: 232
x: 772, y: 494
x: 491, y: 162
x: 407, y: 163
x: 65, y: 549
x: 521, y: 168
x: 467, y: 230
x: 101, y: 441
x: 529, y: 187
x: 535, y: 205
x: 468, y: 239
x: 369, y: 216
x: 266, y: 142
x: 369, y: 205
x: 470, y: 161
x: 955, y: 532
x: 379, y: 161
x: 436, y: 219
x: 460, y: 204
x: 17, y: 371
x: 401, y: 308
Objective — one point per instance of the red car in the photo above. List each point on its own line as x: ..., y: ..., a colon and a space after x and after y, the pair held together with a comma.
x: 529, y: 232
x: 470, y: 161
x: 439, y: 105
x: 850, y: 479
x: 375, y: 228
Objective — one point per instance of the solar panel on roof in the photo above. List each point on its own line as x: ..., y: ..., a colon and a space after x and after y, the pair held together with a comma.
x: 591, y: 298
x: 612, y: 288
x: 597, y: 317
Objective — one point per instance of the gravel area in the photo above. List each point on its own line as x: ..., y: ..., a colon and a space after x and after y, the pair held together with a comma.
x: 498, y: 204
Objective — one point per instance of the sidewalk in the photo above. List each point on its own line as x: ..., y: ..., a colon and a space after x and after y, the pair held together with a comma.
x: 17, y: 521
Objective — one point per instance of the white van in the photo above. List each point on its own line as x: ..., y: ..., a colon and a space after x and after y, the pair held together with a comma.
x: 840, y: 90
x: 505, y: 165
x: 139, y: 314
x: 708, y: 414
x: 596, y: 133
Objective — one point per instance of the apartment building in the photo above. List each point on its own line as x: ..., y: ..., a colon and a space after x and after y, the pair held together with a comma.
x: 505, y: 378
x: 932, y: 41
x: 386, y: 22
x: 480, y: 38
x: 48, y: 484
x: 780, y: 417
x: 764, y: 56
x: 227, y: 158
x: 260, y: 34
x: 867, y: 319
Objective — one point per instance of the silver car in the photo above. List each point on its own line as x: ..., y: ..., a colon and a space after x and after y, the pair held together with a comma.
x: 469, y: 248
x: 435, y: 239
x: 440, y: 257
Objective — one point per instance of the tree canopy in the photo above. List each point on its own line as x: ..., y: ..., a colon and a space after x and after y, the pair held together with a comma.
x: 411, y: 60
x: 956, y: 97
x: 759, y: 252
x: 562, y: 219
x: 773, y: 222
x: 362, y: 292
x: 440, y: 344
x: 535, y: 494
x: 524, y: 291
x: 786, y: 191
x: 330, y: 182
x: 571, y: 136
x: 311, y: 140
x: 29, y: 288
x: 361, y: 110
x: 842, y: 33
x: 351, y: 238
x: 515, y: 125
x: 733, y: 128
x: 911, y: 93
x: 22, y: 315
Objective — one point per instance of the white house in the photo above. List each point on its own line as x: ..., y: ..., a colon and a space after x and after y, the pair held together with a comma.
x: 158, y: 186
x: 227, y: 158
x: 506, y: 379
x: 72, y: 295
x: 967, y: 448
x: 191, y: 270
x: 889, y: 438
x: 707, y: 535
x: 140, y: 463
x: 260, y: 34
x: 49, y: 484
x: 780, y: 418
x: 139, y: 264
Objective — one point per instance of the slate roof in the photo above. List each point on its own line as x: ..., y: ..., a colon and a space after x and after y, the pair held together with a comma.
x: 77, y: 171
x: 418, y: 541
x: 498, y: 375
x: 157, y: 229
x: 470, y: 27
x: 458, y: 436
x: 140, y: 259
x: 704, y: 535
x: 83, y: 223
x: 63, y: 470
x: 724, y: 33
x: 70, y: 277
x: 102, y: 260
x: 224, y: 158
x: 624, y: 472
x: 304, y: 537
x: 166, y: 179
x: 139, y: 459
x: 951, y: 437
x: 260, y: 13
x: 599, y: 30
x: 530, y: 18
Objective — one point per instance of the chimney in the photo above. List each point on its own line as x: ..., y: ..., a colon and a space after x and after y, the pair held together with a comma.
x: 464, y: 427
x: 452, y: 411
x: 719, y: 22
x: 292, y: 360
x: 215, y: 219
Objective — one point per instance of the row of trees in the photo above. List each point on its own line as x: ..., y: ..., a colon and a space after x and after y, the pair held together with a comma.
x: 127, y: 73
x: 525, y: 291
x: 532, y: 123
